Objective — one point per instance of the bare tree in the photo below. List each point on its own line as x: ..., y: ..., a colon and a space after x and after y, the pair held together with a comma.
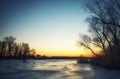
x: 9, y: 44
x: 85, y: 40
x: 105, y: 23
x: 10, y: 49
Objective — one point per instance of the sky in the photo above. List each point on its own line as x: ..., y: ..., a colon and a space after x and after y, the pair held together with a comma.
x: 49, y: 26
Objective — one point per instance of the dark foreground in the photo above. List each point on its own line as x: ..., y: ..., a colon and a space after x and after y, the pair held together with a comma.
x: 53, y: 69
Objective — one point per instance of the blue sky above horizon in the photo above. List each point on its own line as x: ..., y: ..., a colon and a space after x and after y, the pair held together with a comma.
x: 49, y: 26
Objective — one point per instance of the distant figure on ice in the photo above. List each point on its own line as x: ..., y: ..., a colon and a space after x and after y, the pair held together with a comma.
x: 24, y: 60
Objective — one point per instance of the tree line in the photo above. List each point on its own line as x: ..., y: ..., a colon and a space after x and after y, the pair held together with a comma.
x: 11, y: 49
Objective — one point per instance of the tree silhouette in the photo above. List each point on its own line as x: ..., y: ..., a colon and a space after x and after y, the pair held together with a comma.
x: 85, y: 41
x: 10, y: 49
x: 104, y: 26
x: 9, y: 45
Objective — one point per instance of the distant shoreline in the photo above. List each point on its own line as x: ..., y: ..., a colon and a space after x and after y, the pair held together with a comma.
x: 38, y: 58
x: 44, y: 57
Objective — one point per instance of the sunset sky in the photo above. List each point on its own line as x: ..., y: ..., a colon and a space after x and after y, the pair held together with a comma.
x: 49, y: 26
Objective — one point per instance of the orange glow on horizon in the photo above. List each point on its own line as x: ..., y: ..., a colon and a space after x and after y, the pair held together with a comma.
x: 68, y: 52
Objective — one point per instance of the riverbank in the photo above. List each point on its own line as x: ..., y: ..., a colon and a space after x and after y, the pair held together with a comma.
x: 109, y: 62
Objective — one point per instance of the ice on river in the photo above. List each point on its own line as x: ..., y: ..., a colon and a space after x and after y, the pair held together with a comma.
x: 53, y: 69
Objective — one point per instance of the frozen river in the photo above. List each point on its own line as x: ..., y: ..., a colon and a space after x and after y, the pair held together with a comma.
x: 53, y: 69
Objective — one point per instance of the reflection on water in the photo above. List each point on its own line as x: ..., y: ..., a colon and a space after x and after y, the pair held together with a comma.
x: 53, y: 69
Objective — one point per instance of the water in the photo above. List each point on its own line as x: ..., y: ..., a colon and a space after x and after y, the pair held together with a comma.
x: 53, y: 69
